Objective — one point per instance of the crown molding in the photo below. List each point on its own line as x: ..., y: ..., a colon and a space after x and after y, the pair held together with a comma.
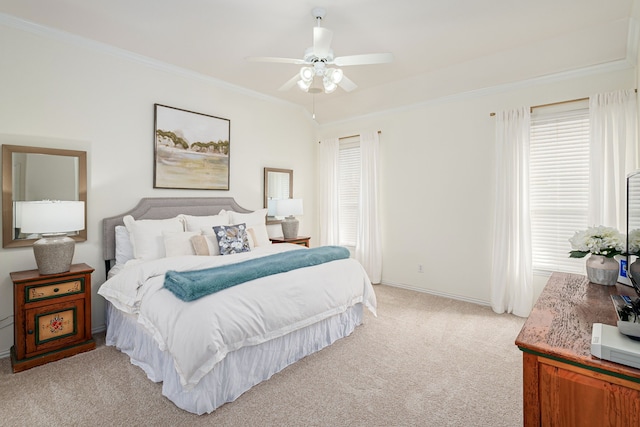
x: 633, y: 41
x: 68, y: 38
x: 619, y: 65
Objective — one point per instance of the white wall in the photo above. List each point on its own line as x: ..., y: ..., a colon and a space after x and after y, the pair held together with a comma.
x: 62, y: 92
x: 437, y: 181
x: 437, y: 159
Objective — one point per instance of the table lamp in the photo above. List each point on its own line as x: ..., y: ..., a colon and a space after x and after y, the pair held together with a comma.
x: 288, y: 208
x: 52, y: 219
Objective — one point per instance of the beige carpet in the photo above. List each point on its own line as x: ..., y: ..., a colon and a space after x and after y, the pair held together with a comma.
x: 424, y: 361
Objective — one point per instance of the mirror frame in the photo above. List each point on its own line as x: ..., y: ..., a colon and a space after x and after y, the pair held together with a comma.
x: 7, y: 190
x: 270, y: 219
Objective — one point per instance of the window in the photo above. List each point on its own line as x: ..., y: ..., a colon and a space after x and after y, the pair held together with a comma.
x: 559, y: 183
x: 349, y: 190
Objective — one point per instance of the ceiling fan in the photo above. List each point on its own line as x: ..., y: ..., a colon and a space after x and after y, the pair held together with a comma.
x: 315, y: 76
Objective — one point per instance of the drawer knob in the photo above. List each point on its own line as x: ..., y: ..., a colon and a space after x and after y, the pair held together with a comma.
x: 56, y: 289
x: 30, y: 331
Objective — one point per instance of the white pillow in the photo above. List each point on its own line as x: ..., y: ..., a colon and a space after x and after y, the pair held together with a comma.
x: 256, y: 221
x: 146, y: 235
x: 259, y: 234
x: 124, y: 250
x: 196, y: 223
x: 178, y: 243
x: 251, y: 218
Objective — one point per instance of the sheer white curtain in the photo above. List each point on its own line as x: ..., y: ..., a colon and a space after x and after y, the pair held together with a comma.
x: 512, y: 272
x: 613, y: 122
x: 368, y: 244
x: 328, y: 196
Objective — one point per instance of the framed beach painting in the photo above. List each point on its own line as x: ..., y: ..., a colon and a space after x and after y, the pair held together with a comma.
x: 191, y: 150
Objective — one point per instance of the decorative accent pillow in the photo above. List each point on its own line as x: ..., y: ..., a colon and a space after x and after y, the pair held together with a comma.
x: 178, y: 243
x: 199, y: 243
x: 146, y: 235
x: 232, y: 239
x: 255, y: 220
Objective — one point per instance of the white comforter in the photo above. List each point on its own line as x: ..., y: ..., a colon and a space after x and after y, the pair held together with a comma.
x: 198, y: 334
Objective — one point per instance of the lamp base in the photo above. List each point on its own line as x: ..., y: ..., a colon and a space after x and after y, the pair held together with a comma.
x: 290, y: 227
x: 54, y: 253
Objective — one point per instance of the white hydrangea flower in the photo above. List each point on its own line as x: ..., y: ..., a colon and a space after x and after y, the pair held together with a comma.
x: 599, y: 240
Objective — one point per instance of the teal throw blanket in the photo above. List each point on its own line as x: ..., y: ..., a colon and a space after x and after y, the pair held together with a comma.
x: 191, y: 285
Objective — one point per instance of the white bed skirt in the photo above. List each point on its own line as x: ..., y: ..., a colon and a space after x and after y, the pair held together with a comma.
x: 238, y: 371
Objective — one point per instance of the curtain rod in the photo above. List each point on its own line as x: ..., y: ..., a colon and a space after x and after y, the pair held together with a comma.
x: 350, y: 136
x: 555, y: 103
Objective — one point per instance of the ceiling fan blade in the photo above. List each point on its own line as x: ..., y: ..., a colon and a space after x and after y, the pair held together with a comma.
x: 367, y: 58
x: 289, y: 84
x: 321, y: 41
x: 274, y: 59
x: 347, y: 84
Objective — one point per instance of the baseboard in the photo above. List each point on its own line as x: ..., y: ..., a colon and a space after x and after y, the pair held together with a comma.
x: 436, y: 293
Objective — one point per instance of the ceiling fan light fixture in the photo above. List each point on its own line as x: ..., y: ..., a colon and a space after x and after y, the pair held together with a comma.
x: 304, y: 85
x: 329, y: 86
x: 318, y: 57
x: 306, y: 74
x: 336, y: 75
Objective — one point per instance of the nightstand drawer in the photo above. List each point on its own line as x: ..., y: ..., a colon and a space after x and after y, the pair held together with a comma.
x: 37, y: 293
x: 54, y: 325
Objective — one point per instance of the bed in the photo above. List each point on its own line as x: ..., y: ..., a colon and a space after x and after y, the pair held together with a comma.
x: 209, y: 350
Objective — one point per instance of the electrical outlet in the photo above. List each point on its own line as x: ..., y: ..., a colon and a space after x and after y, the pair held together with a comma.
x: 420, y: 269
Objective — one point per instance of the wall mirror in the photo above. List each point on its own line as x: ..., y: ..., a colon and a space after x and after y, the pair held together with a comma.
x: 34, y: 173
x: 278, y: 184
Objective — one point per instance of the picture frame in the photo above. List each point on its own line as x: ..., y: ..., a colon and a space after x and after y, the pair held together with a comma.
x: 191, y: 150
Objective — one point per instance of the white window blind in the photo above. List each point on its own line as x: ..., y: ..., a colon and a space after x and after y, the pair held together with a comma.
x: 349, y: 190
x: 559, y: 186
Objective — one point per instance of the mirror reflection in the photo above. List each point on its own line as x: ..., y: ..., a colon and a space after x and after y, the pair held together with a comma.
x: 278, y: 184
x: 633, y: 229
x: 31, y: 174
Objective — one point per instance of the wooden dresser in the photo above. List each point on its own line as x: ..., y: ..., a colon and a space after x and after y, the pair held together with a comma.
x: 563, y: 384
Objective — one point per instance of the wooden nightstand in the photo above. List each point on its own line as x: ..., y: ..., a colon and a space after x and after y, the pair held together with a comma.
x: 52, y: 316
x: 300, y: 240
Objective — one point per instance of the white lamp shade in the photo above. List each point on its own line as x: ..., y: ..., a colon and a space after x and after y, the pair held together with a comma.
x: 271, y: 207
x: 289, y: 207
x: 51, y: 216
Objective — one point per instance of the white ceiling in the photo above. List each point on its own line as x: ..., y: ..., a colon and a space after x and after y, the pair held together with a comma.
x: 440, y: 47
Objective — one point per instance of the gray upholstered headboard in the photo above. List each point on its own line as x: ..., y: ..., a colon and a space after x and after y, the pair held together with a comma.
x: 162, y: 208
